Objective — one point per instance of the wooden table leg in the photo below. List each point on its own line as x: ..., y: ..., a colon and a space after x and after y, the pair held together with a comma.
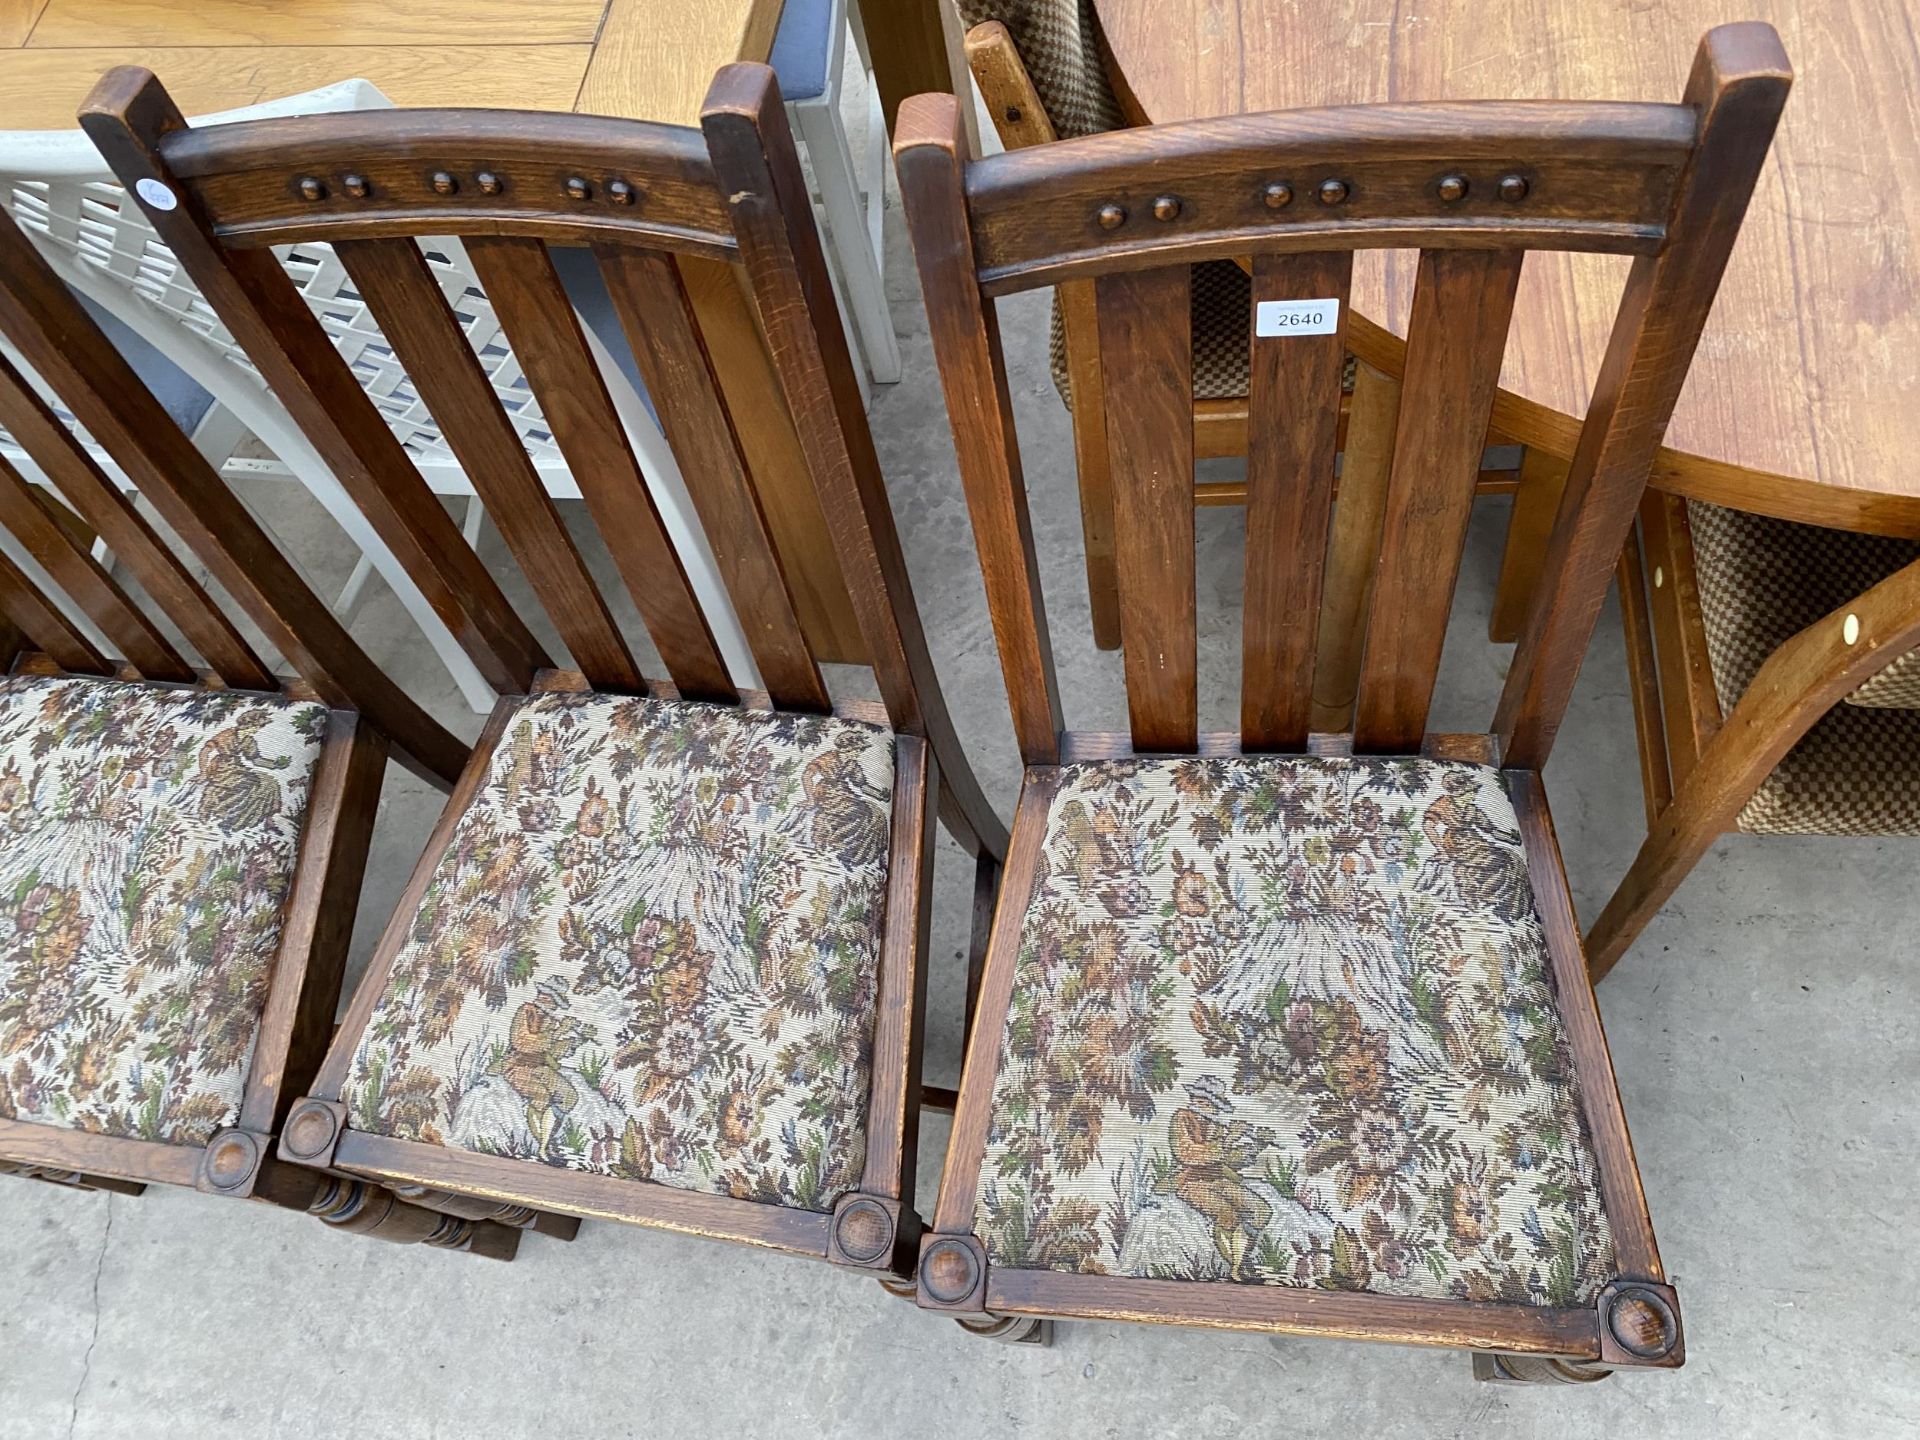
x: 1353, y: 549
x: 774, y: 462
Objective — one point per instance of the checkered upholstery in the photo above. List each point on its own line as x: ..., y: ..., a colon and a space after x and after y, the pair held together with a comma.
x: 1762, y: 580
x: 1222, y: 295
x: 1056, y: 42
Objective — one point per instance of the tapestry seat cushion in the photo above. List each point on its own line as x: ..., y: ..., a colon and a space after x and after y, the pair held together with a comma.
x: 650, y: 951
x: 1291, y: 1021
x: 148, y: 838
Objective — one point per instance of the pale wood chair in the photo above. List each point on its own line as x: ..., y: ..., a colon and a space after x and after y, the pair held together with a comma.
x: 1280, y: 1030
x: 664, y: 959
x: 1776, y: 690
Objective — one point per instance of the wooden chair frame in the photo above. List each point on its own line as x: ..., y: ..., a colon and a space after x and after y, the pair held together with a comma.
x: 1699, y: 766
x: 1220, y: 431
x: 42, y: 633
x: 1667, y: 184
x: 663, y: 209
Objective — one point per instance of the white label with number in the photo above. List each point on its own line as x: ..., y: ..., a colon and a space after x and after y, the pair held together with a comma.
x: 1296, y: 317
x: 155, y: 194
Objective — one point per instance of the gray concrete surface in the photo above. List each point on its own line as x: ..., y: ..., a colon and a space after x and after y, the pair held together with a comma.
x: 1763, y: 1029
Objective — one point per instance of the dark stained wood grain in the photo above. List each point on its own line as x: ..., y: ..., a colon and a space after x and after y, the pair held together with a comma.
x: 1293, y: 400
x: 538, y: 320
x: 929, y: 154
x: 397, y: 283
x: 661, y: 328
x: 1461, y: 306
x: 129, y: 116
x: 1146, y: 364
x: 900, y: 1019
x: 43, y: 623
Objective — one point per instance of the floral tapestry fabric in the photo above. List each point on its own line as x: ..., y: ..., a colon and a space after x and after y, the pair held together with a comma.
x: 148, y: 838
x: 650, y: 951
x: 1290, y: 1021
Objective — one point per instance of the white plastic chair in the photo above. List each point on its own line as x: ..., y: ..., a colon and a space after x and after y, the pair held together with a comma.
x: 60, y: 192
x: 808, y: 58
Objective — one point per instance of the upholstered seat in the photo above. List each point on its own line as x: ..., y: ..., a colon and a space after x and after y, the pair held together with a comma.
x: 148, y: 838
x: 1763, y: 580
x: 1291, y: 1021
x: 649, y: 951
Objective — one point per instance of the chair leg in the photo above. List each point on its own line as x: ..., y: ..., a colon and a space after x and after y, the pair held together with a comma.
x: 1009, y: 1329
x: 1535, y: 1370
x: 1530, y: 525
x: 848, y: 239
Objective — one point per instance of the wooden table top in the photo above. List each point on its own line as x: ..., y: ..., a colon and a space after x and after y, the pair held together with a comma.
x: 643, y: 59
x: 1805, y: 396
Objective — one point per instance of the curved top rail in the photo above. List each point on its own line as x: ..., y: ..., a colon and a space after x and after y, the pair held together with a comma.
x: 1505, y: 174
x: 566, y: 178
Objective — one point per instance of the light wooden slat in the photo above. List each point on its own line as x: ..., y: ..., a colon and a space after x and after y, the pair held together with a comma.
x: 17, y: 19
x: 399, y: 286
x: 43, y: 88
x: 655, y: 61
x: 1294, y: 396
x: 1146, y: 356
x: 538, y: 318
x: 1462, y: 303
x: 659, y: 323
x: 369, y: 23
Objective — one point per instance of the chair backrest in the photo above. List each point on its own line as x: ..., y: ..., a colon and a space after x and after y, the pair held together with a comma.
x: 654, y: 204
x: 56, y: 186
x: 58, y: 600
x: 1472, y: 187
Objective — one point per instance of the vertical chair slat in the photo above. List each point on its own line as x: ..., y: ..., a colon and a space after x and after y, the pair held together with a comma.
x: 36, y: 297
x: 127, y: 117
x: 1462, y: 303
x: 537, y: 318
x: 398, y: 284
x: 1146, y: 357
x: 40, y: 620
x: 69, y: 565
x: 1293, y: 412
x: 95, y: 382
x: 659, y: 322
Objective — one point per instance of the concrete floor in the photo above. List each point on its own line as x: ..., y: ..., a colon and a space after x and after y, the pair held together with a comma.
x: 1763, y: 1030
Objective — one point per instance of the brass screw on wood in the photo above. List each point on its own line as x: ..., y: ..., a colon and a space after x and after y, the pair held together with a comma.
x: 1112, y: 217
x: 489, y: 183
x: 1166, y: 208
x: 1513, y: 187
x: 620, y: 192
x: 356, y: 186
x: 443, y: 183
x: 1332, y: 192
x: 311, y: 188
x: 1453, y: 187
x: 579, y: 189
x: 1279, y: 195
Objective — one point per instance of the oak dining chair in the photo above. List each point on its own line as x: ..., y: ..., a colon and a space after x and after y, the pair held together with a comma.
x: 183, y: 827
x: 1279, y: 1030
x: 97, y: 239
x: 664, y: 959
x: 1776, y: 690
x: 1042, y: 76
